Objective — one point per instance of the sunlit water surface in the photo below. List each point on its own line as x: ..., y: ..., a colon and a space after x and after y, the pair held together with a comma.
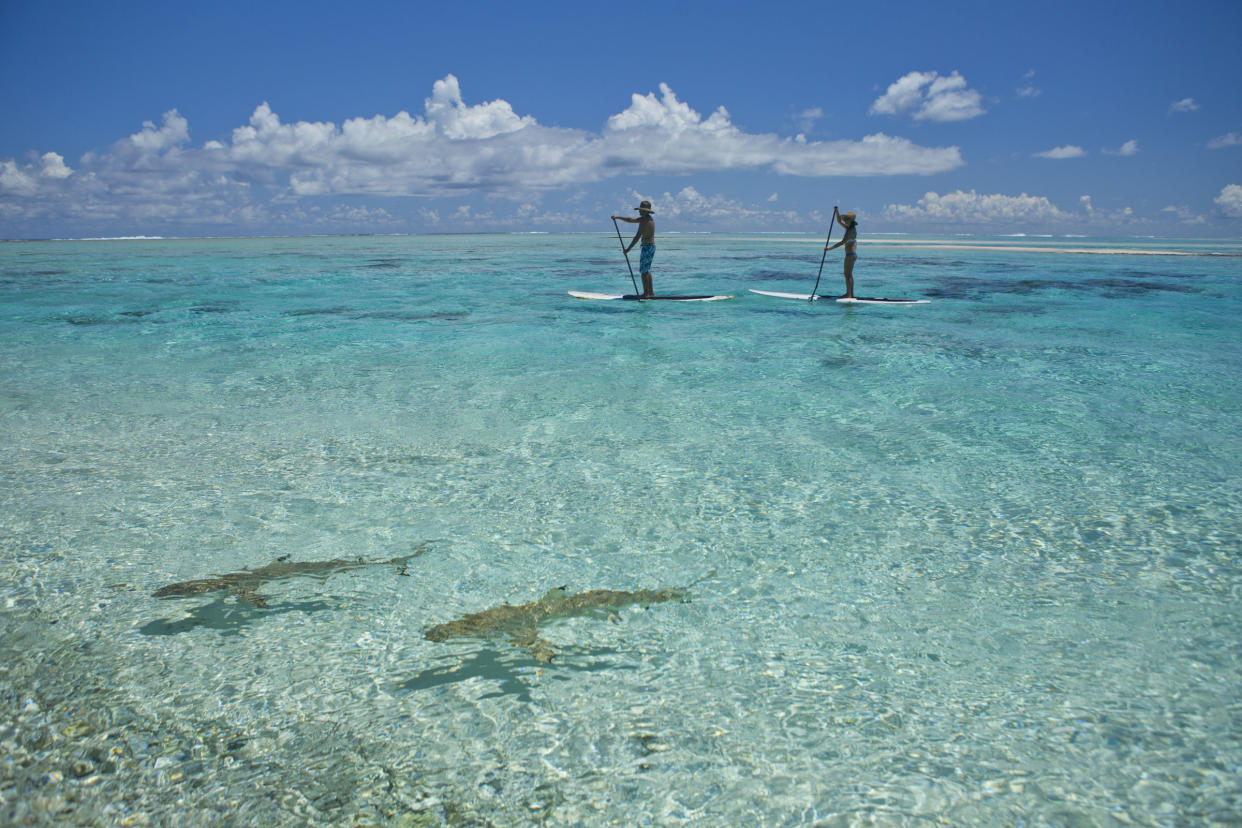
x: 971, y: 562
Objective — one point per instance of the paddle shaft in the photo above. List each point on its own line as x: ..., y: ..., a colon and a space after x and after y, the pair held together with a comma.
x: 825, y: 256
x: 626, y: 254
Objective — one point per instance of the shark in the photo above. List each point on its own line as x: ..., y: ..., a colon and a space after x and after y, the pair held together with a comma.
x: 244, y: 585
x: 521, y: 623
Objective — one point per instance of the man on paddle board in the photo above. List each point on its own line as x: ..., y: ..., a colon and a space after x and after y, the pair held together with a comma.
x: 850, y: 222
x: 646, y: 232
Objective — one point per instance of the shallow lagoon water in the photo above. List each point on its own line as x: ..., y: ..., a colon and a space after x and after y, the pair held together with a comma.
x: 972, y: 562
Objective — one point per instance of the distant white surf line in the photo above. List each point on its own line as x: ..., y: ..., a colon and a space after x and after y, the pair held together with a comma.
x: 932, y: 244
x: 1017, y: 248
x: 117, y: 238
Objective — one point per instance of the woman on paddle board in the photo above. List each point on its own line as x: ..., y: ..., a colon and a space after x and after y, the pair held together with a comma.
x: 646, y: 232
x: 850, y: 222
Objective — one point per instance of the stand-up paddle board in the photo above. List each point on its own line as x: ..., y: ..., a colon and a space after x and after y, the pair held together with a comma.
x: 582, y: 294
x: 857, y: 300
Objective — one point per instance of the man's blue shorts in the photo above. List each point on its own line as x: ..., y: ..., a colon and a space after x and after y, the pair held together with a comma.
x: 644, y: 262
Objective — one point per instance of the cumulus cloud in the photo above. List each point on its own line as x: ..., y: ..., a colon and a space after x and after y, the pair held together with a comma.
x: 1067, y: 151
x: 1184, y: 105
x: 23, y: 179
x: 454, y: 119
x: 155, y: 140
x: 1230, y: 200
x: 1229, y: 139
x: 690, y: 202
x: 1130, y: 147
x: 453, y: 148
x: 976, y: 208
x: 689, y: 205
x: 664, y: 135
x: 16, y: 179
x: 52, y: 165
x: 930, y: 96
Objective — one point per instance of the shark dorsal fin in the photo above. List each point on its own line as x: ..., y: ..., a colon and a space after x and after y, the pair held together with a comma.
x: 555, y: 594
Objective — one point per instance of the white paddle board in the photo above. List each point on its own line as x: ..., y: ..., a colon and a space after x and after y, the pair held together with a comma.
x: 583, y: 294
x: 857, y: 300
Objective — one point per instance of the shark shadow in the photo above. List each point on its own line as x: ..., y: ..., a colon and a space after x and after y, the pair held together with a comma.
x: 512, y: 676
x: 226, y: 617
x: 521, y: 623
x: 244, y: 585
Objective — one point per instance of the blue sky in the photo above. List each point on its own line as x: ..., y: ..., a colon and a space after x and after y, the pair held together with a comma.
x: 161, y: 118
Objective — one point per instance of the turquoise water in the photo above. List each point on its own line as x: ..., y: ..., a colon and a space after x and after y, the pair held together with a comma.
x: 972, y: 562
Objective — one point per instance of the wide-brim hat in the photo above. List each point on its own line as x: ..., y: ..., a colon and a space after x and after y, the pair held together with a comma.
x: 645, y: 207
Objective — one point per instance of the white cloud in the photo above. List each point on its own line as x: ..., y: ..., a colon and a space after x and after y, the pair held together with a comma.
x: 23, y: 179
x: 1067, y: 151
x: 1229, y: 139
x: 693, y: 207
x: 53, y: 166
x: 361, y: 215
x: 1230, y: 200
x: 975, y: 208
x: 452, y: 149
x: 1129, y: 148
x: 153, y: 139
x: 664, y: 135
x: 903, y: 94
x: 806, y: 118
x: 877, y: 154
x: 453, y: 119
x: 1029, y: 90
x: 948, y: 99
x: 930, y: 96
x: 1184, y: 214
x: 17, y: 180
x: 689, y: 201
x: 1184, y: 105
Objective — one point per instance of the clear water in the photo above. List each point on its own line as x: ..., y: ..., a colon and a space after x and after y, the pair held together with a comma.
x: 972, y: 562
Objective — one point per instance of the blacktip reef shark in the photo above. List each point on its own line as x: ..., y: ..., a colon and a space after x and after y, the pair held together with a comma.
x: 244, y: 585
x: 521, y: 623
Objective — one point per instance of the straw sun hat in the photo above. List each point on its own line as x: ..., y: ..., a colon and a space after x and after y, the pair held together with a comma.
x: 645, y: 207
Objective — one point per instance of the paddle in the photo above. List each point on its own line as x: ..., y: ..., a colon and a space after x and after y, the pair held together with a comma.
x: 821, y: 258
x: 624, y: 253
